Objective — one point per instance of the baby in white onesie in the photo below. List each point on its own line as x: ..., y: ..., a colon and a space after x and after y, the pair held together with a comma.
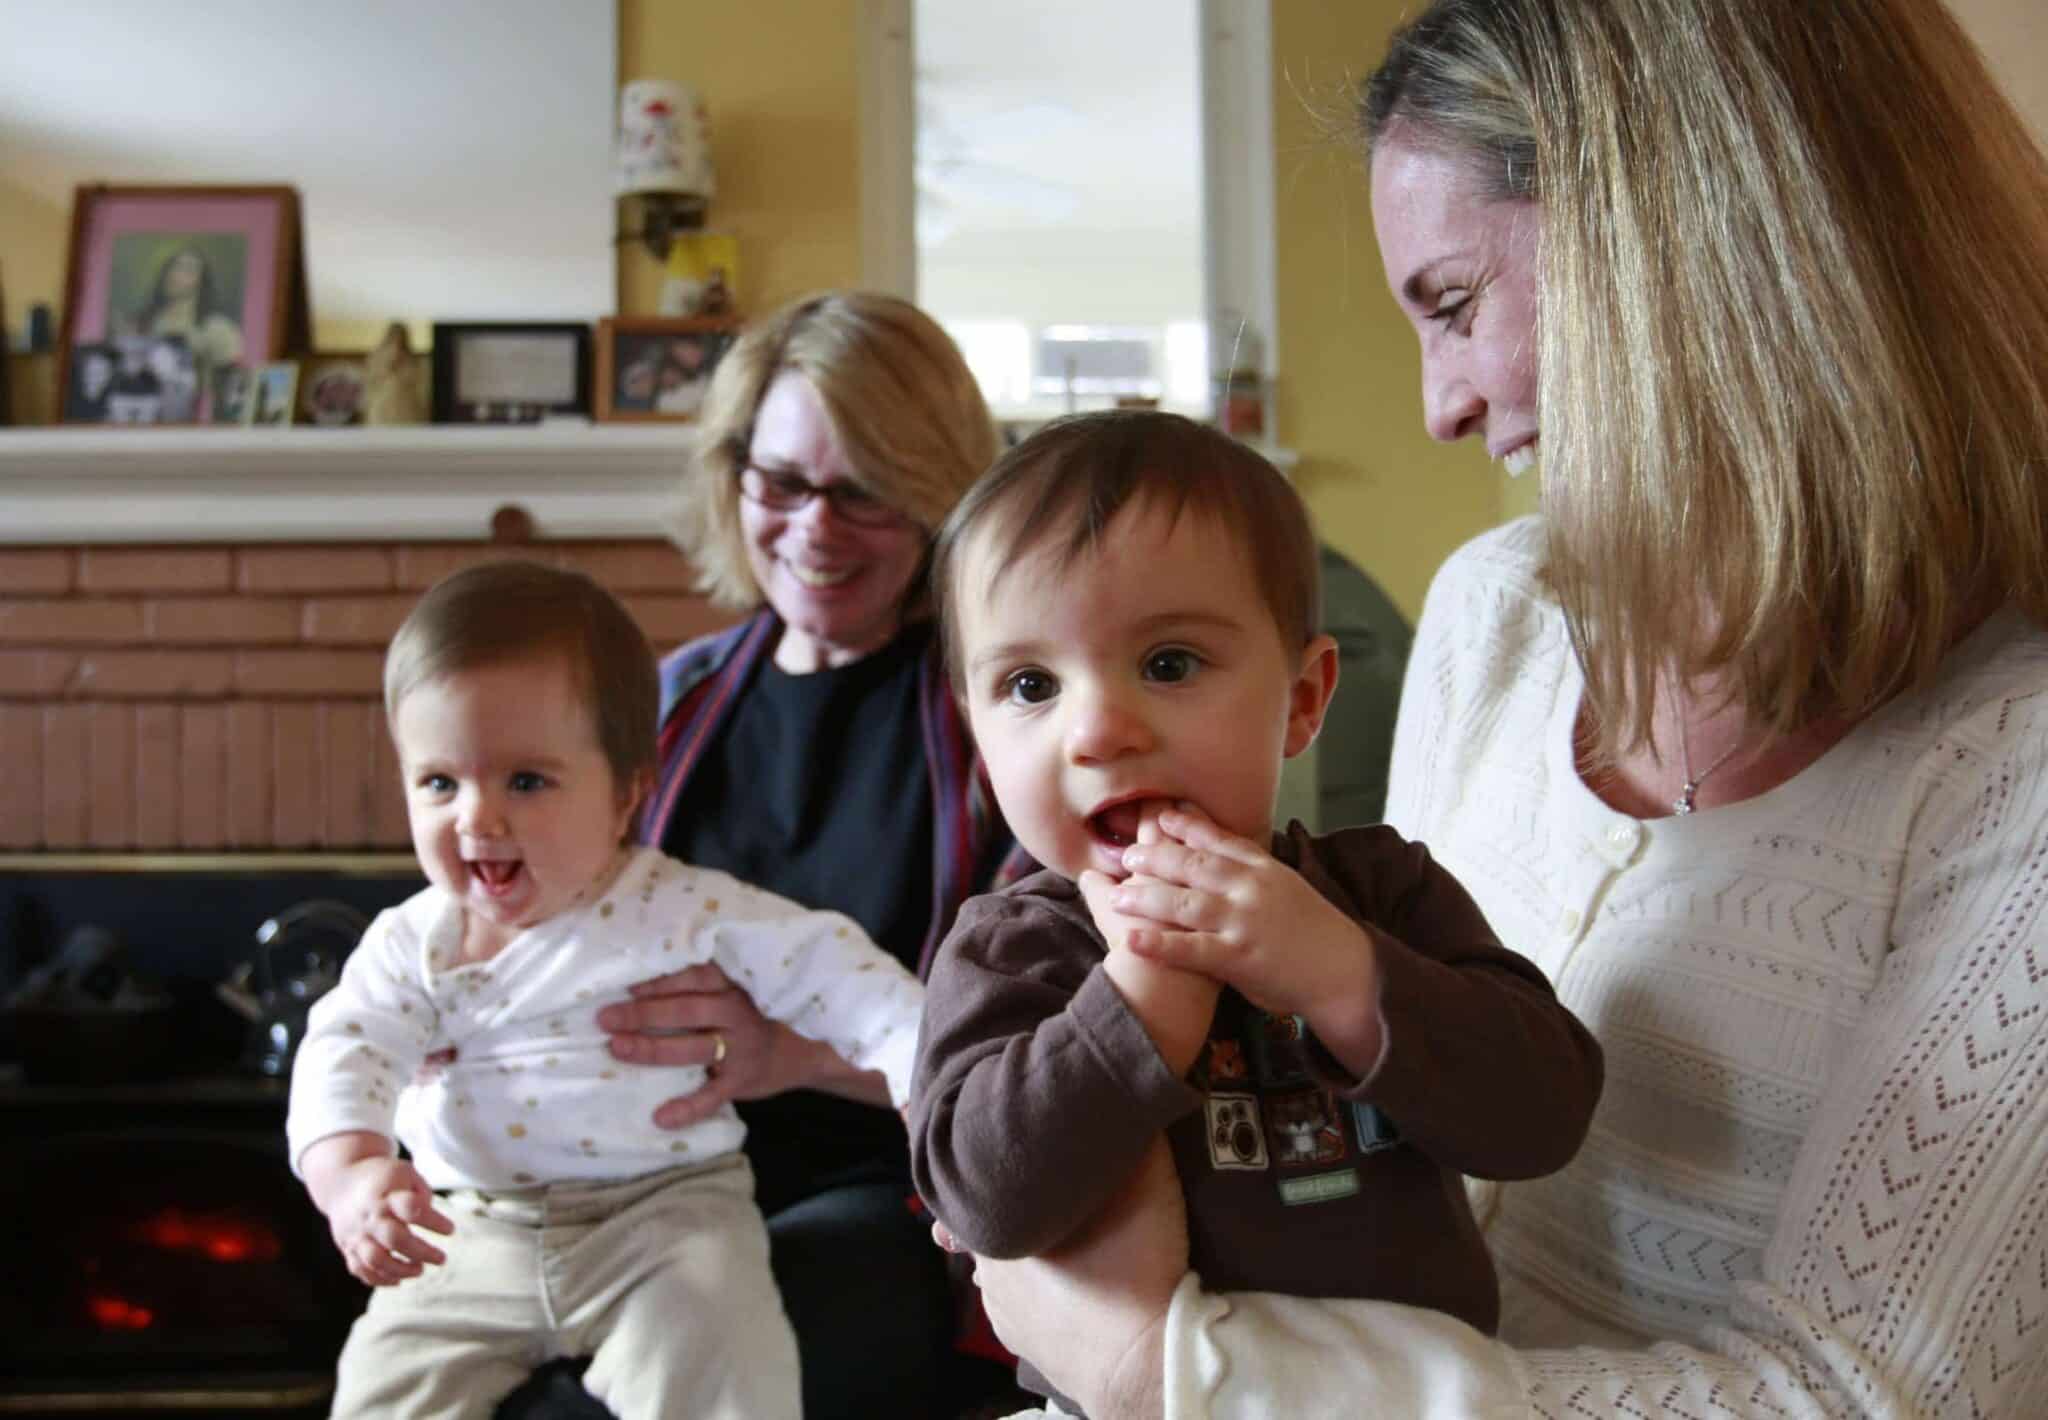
x: 522, y: 703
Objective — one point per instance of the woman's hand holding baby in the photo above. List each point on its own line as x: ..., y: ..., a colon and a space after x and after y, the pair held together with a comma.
x: 374, y: 1201
x: 1204, y: 900
x: 697, y: 1016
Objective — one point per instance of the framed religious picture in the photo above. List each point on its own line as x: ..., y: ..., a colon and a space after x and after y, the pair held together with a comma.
x: 655, y: 368
x: 510, y: 372
x: 169, y: 284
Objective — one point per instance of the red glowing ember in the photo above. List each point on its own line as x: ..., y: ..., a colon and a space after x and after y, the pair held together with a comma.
x: 119, y: 1314
x: 223, y: 1239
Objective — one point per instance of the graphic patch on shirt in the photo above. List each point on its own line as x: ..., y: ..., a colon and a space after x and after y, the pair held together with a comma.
x: 1225, y: 1064
x: 1235, y: 1139
x: 1375, y: 1131
x: 1279, y: 1049
x: 1319, y: 1187
x: 1305, y: 1128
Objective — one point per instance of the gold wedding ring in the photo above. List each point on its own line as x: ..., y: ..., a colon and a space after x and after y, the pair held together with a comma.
x: 717, y: 1048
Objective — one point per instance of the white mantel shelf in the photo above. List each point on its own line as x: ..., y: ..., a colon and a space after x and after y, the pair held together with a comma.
x: 430, y: 482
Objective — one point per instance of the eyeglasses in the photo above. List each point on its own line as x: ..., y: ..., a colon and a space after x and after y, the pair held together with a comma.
x: 787, y: 492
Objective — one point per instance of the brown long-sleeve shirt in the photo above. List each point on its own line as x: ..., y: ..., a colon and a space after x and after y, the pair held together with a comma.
x: 1037, y: 1090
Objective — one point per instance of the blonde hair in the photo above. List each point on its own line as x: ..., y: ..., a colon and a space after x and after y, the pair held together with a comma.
x: 906, y: 407
x: 1793, y: 316
x: 497, y: 613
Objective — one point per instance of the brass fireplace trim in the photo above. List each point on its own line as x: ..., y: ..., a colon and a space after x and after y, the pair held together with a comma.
x: 284, y: 1392
x: 347, y: 864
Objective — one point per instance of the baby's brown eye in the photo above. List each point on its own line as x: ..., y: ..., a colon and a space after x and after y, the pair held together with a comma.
x: 1030, y: 688
x: 1170, y: 666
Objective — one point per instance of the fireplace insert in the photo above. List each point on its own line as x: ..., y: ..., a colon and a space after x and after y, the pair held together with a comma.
x: 162, y: 1255
x: 159, y: 1257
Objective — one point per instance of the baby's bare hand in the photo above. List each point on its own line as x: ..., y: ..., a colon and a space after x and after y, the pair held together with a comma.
x: 1212, y: 902
x: 373, y: 1220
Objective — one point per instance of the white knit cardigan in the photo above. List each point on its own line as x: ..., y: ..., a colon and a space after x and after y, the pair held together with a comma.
x: 1817, y: 1184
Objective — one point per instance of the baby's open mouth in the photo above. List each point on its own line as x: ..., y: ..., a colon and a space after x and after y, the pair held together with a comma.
x: 495, y: 875
x: 1118, y: 824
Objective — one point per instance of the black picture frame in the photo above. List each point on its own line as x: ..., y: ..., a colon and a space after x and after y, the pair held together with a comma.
x: 510, y: 372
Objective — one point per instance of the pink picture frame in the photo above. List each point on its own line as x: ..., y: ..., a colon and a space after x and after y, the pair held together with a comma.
x: 213, y: 271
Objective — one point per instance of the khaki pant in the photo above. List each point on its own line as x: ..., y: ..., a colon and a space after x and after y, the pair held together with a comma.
x: 663, y: 1281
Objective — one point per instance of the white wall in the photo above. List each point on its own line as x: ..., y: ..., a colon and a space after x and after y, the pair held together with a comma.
x: 2014, y: 37
x: 452, y: 158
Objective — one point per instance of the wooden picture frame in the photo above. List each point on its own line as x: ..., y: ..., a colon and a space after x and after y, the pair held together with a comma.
x: 6, y: 364
x: 509, y: 372
x: 655, y: 369
x: 333, y: 388
x: 161, y: 278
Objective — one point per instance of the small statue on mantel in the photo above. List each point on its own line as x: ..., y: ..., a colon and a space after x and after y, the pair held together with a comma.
x: 391, y: 372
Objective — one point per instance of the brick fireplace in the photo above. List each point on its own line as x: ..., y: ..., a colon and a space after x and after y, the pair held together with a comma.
x: 192, y: 629
x: 225, y: 696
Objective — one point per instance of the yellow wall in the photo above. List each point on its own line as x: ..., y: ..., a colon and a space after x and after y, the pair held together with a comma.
x: 1349, y: 396
x: 785, y: 133
x: 786, y: 139
x: 779, y: 80
x: 33, y: 237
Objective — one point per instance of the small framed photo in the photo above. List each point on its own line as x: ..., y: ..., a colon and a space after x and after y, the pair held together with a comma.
x: 174, y: 280
x: 133, y: 379
x: 273, y: 394
x: 654, y: 368
x: 228, y: 391
x: 332, y: 390
x: 509, y: 372
x: 703, y: 275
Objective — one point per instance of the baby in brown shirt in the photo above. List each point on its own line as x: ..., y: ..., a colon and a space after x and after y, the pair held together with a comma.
x: 1130, y: 609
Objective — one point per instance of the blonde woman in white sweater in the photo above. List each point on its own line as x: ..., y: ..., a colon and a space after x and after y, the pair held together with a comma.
x: 1745, y: 739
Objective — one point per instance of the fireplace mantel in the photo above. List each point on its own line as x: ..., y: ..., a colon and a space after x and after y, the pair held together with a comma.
x: 431, y: 482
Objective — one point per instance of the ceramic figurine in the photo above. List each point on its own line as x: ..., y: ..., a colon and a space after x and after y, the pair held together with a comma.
x: 393, y: 393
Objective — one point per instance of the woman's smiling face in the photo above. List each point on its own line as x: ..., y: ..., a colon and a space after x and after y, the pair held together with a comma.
x: 1462, y: 266
x: 839, y: 586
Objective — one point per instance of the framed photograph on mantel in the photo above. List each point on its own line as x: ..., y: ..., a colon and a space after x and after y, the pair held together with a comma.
x: 657, y: 368
x: 166, y: 285
x: 509, y: 372
x: 333, y: 386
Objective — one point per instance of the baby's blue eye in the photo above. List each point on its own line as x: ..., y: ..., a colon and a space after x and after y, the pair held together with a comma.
x: 527, y: 782
x: 438, y: 783
x: 1171, y: 666
x: 1030, y: 687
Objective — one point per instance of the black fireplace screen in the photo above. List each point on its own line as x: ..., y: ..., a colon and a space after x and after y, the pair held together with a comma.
x: 166, y: 1252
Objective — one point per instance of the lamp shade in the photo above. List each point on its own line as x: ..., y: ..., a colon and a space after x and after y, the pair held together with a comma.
x: 664, y: 140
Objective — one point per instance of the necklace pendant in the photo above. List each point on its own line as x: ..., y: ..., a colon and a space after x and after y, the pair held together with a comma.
x: 1682, y: 805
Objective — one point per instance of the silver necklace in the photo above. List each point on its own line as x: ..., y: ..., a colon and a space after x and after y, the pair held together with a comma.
x: 1683, y: 804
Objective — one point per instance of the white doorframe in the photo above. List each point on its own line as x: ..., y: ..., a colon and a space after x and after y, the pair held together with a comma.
x: 1236, y: 66
x: 888, y: 148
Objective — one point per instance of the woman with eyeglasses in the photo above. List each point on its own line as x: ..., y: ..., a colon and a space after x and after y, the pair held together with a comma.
x: 815, y: 750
